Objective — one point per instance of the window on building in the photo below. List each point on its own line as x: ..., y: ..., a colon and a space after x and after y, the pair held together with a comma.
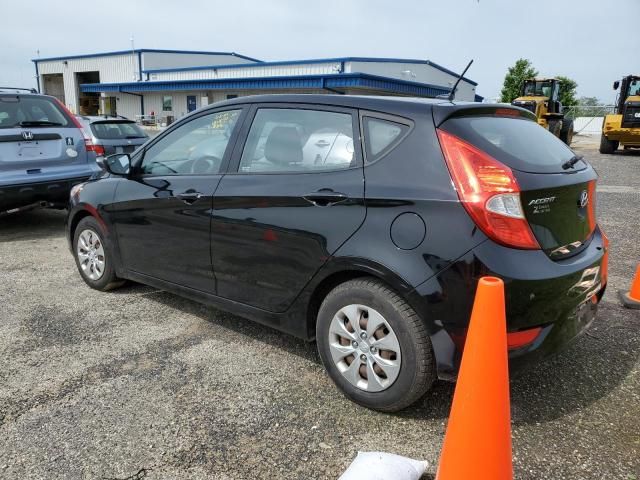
x: 291, y: 140
x: 167, y: 103
x: 195, y: 148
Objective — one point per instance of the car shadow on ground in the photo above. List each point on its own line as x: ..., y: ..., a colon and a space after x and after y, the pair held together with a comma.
x: 220, y: 318
x: 32, y: 225
x: 587, y: 371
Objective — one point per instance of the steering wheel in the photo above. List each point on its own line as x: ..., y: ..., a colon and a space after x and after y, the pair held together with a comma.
x: 206, y: 164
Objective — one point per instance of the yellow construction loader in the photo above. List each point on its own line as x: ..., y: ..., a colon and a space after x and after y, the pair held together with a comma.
x: 623, y: 126
x: 540, y: 96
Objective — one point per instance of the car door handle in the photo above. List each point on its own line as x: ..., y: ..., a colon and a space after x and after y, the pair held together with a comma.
x: 322, y: 143
x: 325, y: 198
x: 189, y: 197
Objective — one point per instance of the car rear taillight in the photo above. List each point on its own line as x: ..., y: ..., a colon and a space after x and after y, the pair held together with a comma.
x: 488, y: 191
x: 92, y: 147
x: 73, y: 118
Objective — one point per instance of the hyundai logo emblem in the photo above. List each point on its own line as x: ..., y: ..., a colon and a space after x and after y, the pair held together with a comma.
x: 27, y: 135
x: 584, y: 199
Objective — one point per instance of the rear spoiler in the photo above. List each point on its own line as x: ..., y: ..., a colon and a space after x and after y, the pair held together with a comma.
x: 444, y: 111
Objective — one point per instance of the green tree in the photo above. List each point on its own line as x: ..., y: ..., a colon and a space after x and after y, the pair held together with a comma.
x: 590, y: 107
x: 567, y: 95
x: 514, y: 79
x: 589, y: 101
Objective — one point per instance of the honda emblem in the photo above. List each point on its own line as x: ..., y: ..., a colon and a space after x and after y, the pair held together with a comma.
x: 27, y: 135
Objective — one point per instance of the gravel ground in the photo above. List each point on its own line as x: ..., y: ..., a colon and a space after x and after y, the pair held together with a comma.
x: 138, y: 382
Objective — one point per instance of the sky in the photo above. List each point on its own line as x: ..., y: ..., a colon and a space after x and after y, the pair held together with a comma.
x: 586, y: 40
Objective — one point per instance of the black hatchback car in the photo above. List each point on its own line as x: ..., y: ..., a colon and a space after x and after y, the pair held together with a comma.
x: 361, y: 222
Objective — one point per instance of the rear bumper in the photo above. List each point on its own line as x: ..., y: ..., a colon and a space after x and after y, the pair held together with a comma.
x: 559, y: 297
x: 55, y: 192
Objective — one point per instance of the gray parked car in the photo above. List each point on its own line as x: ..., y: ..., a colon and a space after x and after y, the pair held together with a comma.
x: 111, y: 134
x: 43, y: 151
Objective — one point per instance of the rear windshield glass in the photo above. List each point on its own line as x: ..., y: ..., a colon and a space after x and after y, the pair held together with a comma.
x: 18, y: 111
x: 117, y: 130
x: 519, y: 143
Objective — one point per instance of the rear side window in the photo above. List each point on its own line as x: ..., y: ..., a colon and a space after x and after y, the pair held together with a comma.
x: 518, y: 143
x: 381, y: 136
x: 297, y: 140
x: 30, y: 111
x: 117, y: 130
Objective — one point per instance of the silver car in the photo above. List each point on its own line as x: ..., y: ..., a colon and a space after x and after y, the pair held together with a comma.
x: 112, y: 134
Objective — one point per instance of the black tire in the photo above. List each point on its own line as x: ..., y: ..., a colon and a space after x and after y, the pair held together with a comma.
x: 417, y: 368
x: 108, y: 280
x: 566, y: 133
x: 554, y: 127
x: 608, y: 146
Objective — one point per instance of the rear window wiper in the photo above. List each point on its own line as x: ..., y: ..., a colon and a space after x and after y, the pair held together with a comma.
x: 36, y: 123
x: 135, y: 136
x: 571, y: 162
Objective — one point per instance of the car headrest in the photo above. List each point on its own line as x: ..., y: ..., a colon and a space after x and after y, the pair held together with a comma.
x: 283, y: 146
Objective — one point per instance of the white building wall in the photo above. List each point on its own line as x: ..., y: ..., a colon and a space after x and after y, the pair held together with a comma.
x: 112, y: 69
x: 154, y: 60
x: 413, y: 72
x: 250, y: 72
x: 127, y: 105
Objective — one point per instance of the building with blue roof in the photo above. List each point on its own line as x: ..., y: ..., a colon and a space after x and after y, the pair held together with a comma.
x: 171, y: 83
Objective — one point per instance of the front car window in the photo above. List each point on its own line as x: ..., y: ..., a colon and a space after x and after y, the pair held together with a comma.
x: 31, y: 111
x: 297, y: 140
x: 194, y: 148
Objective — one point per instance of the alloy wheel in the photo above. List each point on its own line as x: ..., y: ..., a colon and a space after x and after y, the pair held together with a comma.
x: 364, y: 348
x: 90, y: 252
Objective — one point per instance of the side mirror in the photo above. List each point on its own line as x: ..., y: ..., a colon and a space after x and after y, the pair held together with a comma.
x: 616, y: 84
x: 118, y: 164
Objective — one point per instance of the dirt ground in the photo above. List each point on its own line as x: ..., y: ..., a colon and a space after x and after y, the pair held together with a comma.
x: 139, y: 381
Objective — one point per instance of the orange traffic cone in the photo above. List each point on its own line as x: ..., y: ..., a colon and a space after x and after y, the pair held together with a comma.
x: 477, y: 443
x: 631, y: 299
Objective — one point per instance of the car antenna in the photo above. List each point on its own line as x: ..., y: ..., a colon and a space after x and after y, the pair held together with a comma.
x: 452, y: 93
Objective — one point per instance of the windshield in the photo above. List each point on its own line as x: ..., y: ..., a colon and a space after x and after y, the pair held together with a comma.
x: 536, y: 88
x: 117, y: 130
x: 634, y: 88
x: 30, y: 111
x: 519, y: 143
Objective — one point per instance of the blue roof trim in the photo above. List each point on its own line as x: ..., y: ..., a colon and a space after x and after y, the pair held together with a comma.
x: 343, y: 80
x: 142, y: 50
x: 316, y: 60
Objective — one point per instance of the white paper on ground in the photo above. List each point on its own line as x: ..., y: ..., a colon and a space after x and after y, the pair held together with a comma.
x: 384, y: 466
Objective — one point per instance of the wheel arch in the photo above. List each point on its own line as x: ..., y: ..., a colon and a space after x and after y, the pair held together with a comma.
x: 75, y: 220
x: 341, y: 271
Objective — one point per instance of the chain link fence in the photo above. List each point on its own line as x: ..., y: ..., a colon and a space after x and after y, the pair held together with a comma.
x: 588, y: 111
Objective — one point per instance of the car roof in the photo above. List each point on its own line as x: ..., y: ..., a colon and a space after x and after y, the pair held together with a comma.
x: 374, y: 102
x: 18, y: 90
x: 102, y: 118
x: 440, y: 108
